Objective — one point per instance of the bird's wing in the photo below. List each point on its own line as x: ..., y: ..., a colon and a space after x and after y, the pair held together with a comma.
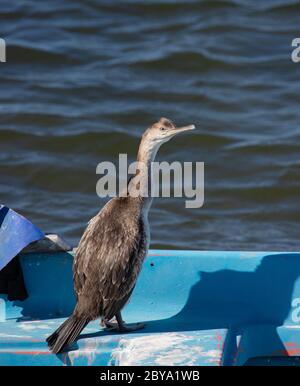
x: 118, y: 284
x: 85, y: 251
x: 108, y: 261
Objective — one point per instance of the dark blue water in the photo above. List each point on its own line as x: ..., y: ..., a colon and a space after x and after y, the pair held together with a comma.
x: 84, y: 78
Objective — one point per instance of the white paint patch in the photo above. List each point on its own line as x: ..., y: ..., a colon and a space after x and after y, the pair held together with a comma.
x: 168, y: 349
x: 87, y: 351
x: 29, y: 326
x: 15, y: 336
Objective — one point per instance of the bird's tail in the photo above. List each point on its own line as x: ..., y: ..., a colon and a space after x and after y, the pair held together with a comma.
x: 66, y: 333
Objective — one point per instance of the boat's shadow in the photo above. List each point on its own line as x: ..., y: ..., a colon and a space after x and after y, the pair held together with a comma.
x: 229, y: 299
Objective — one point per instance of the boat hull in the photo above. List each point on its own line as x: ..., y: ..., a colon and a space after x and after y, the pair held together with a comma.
x: 200, y: 308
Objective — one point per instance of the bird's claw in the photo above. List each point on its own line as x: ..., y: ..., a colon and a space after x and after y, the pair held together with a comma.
x: 119, y: 325
x: 131, y: 327
x: 110, y: 324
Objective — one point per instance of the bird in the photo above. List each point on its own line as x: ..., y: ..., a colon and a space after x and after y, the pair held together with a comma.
x: 112, y: 249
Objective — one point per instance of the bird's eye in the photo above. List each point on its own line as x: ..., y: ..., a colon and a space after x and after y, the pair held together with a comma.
x: 162, y: 129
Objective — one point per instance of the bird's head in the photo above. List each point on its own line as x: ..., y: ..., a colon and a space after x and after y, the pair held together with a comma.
x: 163, y: 130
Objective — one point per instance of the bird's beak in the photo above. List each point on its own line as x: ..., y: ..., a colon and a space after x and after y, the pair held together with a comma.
x: 184, y: 128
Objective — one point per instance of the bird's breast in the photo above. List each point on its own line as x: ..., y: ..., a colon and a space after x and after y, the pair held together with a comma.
x: 146, y: 227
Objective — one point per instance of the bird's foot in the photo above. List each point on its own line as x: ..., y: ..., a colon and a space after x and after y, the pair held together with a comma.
x: 118, y: 324
x: 131, y: 327
x: 111, y: 324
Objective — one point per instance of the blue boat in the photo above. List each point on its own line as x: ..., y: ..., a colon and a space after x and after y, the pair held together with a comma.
x: 200, y: 308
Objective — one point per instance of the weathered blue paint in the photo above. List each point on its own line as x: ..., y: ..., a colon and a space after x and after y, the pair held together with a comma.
x: 201, y: 308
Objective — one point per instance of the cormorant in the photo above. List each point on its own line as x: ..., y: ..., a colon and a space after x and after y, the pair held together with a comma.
x: 112, y: 250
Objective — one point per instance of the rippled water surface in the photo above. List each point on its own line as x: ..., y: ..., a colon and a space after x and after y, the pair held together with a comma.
x: 84, y: 78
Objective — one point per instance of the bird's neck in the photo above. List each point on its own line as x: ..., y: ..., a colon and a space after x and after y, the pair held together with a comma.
x: 143, y: 177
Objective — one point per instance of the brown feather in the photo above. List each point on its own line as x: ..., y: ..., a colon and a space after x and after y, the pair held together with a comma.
x: 109, y: 258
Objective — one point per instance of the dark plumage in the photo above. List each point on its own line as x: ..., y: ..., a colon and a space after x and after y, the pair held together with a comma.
x: 111, y: 252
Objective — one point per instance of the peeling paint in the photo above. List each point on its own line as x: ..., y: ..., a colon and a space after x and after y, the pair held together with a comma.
x: 168, y: 349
